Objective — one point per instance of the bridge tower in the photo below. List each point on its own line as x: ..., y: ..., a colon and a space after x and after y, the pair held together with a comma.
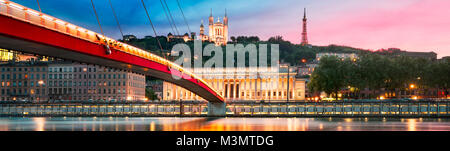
x: 217, y: 109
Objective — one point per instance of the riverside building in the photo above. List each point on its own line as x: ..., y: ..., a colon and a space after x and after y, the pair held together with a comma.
x: 41, y: 81
x: 23, y: 81
x: 245, y: 84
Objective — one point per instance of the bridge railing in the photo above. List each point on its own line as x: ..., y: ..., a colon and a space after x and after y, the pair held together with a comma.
x: 300, y: 109
x: 34, y: 17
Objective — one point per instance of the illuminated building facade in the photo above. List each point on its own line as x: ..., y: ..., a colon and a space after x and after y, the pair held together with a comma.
x: 184, y: 37
x: 247, y: 84
x: 24, y: 81
x: 307, y: 69
x: 218, y: 31
x: 89, y: 82
x: 339, y: 55
x: 42, y: 81
x: 129, y: 37
x: 60, y: 77
x: 6, y: 55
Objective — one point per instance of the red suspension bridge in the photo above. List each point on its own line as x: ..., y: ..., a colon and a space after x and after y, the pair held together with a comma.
x: 30, y: 31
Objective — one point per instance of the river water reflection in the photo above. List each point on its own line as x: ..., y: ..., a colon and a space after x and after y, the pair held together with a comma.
x: 221, y: 124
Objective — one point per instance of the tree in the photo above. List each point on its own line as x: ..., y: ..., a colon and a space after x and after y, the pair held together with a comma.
x: 150, y: 94
x: 437, y: 74
x: 328, y: 76
x: 233, y: 39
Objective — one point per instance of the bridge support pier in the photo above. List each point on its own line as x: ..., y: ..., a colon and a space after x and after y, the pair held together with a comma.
x: 217, y: 109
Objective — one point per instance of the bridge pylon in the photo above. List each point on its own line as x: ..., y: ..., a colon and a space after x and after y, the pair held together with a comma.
x: 216, y: 109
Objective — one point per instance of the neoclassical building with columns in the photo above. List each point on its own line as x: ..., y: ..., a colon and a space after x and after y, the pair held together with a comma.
x: 244, y: 84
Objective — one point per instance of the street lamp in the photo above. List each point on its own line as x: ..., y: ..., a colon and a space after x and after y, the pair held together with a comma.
x: 412, y: 86
x: 288, y: 81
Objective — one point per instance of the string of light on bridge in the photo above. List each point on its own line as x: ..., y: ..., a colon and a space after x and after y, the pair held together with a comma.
x: 25, y: 14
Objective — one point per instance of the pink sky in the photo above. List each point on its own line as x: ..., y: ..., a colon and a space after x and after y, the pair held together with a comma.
x: 413, y: 25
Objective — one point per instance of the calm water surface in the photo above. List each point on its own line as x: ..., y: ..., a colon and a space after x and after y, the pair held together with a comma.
x: 222, y: 124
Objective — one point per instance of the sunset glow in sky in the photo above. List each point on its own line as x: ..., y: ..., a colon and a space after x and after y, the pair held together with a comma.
x: 413, y: 25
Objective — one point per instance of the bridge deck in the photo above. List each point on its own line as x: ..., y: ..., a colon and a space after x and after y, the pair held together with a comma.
x: 29, y: 31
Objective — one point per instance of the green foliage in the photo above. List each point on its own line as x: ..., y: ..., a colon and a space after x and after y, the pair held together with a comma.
x: 245, y: 39
x: 330, y: 75
x: 376, y: 71
x: 289, y: 53
x: 150, y: 94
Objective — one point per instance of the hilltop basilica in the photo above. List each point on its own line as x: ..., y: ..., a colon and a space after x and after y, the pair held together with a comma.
x: 218, y: 32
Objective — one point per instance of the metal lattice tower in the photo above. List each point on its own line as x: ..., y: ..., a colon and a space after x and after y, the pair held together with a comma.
x: 304, y: 33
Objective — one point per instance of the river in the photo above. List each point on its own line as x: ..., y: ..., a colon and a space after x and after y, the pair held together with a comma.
x: 220, y: 124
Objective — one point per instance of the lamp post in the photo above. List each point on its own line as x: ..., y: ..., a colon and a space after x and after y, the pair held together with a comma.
x: 288, y: 91
x: 288, y: 81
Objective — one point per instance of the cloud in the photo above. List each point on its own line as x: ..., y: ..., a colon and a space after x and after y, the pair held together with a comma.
x: 417, y: 25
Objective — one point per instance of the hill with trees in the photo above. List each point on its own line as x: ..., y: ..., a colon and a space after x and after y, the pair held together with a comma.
x: 289, y: 52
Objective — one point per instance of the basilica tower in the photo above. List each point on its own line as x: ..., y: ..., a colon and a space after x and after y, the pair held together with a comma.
x: 211, y: 26
x: 218, y: 31
x: 225, y: 27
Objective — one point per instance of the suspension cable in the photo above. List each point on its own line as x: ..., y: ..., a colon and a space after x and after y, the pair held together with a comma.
x: 98, y: 20
x: 117, y: 20
x: 39, y: 5
x: 106, y: 45
x: 167, y: 16
x: 153, y: 27
x: 184, y: 17
x: 170, y: 14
